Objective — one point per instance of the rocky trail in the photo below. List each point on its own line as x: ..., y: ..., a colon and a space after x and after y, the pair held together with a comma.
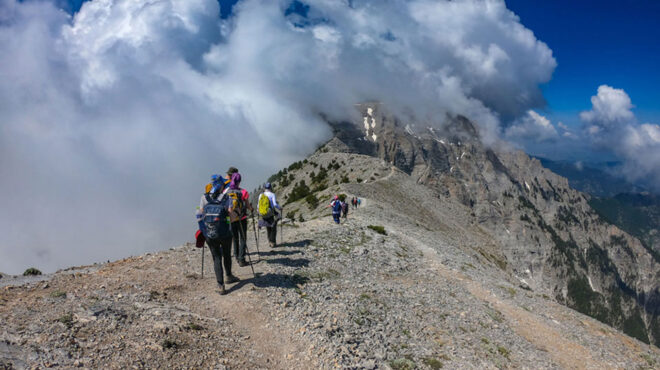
x: 330, y: 296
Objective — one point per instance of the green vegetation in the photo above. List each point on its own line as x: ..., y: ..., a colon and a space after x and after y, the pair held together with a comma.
x: 31, y: 272
x: 503, y: 351
x: 433, y: 363
x: 636, y: 214
x: 300, y: 191
x: 169, y: 344
x: 402, y: 364
x: 378, y: 229
x: 312, y: 201
x: 291, y: 215
x: 634, y: 326
x: 58, y: 294
x: 301, y: 218
x: 193, y: 326
x: 66, y: 319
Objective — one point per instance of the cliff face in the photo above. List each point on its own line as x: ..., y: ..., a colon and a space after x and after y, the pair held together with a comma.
x: 549, y: 237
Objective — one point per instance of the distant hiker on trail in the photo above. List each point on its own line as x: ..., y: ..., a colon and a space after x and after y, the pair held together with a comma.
x: 344, y: 209
x: 267, y: 205
x: 336, y: 209
x: 359, y: 201
x: 354, y: 202
x: 238, y: 215
x: 213, y: 218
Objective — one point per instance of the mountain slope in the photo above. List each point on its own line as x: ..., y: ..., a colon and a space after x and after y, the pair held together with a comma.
x: 543, y: 232
x: 429, y: 293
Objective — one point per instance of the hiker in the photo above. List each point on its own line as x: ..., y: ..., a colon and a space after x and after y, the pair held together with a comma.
x: 354, y: 202
x: 213, y: 218
x: 336, y: 209
x: 238, y: 216
x: 359, y: 202
x: 268, y: 211
x: 344, y: 209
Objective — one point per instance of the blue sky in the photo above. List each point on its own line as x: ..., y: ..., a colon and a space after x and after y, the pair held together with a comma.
x: 597, y: 42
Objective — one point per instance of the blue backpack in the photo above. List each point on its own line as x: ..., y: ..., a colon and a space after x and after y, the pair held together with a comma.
x: 216, y: 218
x: 336, y: 207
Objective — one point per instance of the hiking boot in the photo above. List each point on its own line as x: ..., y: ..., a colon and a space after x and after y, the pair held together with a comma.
x: 221, y: 289
x: 242, y: 263
x: 232, y: 279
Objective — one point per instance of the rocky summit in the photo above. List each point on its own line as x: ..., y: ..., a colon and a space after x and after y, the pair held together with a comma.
x: 459, y: 256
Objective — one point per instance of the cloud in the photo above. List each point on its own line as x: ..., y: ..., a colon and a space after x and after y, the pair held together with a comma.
x: 610, y: 106
x: 532, y: 127
x: 112, y: 119
x: 612, y: 126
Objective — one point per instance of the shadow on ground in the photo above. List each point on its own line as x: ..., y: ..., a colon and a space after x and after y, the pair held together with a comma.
x: 271, y: 281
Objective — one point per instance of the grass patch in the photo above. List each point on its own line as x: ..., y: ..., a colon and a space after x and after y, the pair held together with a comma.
x: 58, y: 294
x: 503, y: 351
x: 485, y: 340
x: 193, y: 326
x: 169, y: 344
x: 496, y: 316
x: 378, y: 229
x: 402, y: 364
x: 433, y: 363
x: 512, y: 292
x: 66, y: 319
x: 31, y: 272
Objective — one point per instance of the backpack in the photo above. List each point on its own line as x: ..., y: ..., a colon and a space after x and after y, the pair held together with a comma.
x: 265, y: 208
x: 344, y: 207
x: 216, y: 218
x: 239, y: 209
x: 336, y: 207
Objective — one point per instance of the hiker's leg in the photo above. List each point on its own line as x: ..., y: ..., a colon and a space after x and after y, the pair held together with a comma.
x: 236, y: 233
x: 216, y: 252
x: 226, y: 254
x: 274, y: 233
x: 243, y: 240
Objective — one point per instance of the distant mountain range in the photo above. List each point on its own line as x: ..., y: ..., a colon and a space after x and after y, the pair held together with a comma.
x: 628, y: 206
x: 593, y: 179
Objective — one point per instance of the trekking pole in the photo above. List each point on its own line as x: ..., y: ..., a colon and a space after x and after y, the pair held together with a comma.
x: 203, y: 262
x: 256, y: 237
x: 281, y: 225
x: 247, y: 251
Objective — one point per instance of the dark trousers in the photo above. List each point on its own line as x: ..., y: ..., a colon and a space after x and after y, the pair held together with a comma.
x: 239, y: 230
x: 221, y: 252
x: 335, y: 216
x: 271, y: 231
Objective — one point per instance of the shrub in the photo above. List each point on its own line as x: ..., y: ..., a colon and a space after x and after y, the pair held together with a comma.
x: 312, y: 200
x: 342, y: 197
x: 31, y: 272
x: 300, y: 191
x: 291, y: 215
x: 169, y: 344
x: 378, y: 229
x: 301, y: 218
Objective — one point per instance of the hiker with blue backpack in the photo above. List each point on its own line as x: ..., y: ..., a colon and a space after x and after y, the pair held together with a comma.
x: 268, y: 207
x: 215, y: 226
x: 336, y: 209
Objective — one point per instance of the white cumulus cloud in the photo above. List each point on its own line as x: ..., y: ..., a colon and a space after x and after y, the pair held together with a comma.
x: 533, y: 127
x: 611, y: 125
x: 112, y: 119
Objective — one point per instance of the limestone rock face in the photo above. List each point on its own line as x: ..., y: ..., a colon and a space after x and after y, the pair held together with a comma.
x: 549, y: 237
